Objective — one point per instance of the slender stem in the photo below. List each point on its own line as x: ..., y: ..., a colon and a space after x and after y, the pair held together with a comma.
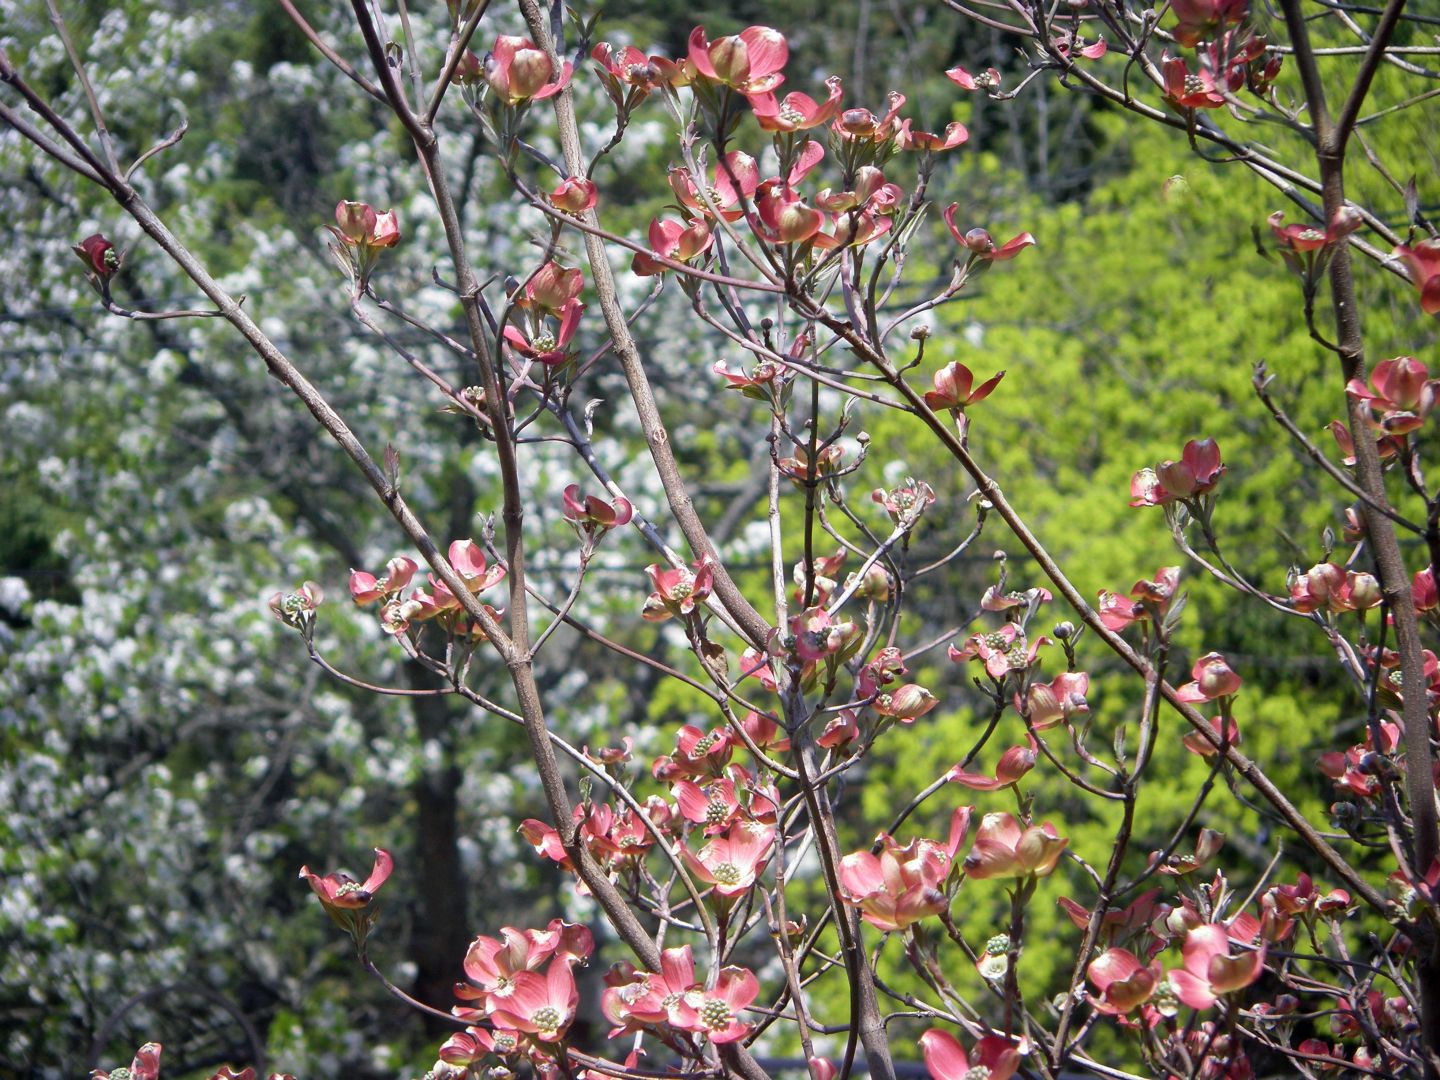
x: 343, y: 65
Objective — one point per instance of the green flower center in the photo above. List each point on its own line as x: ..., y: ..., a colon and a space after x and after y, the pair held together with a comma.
x: 791, y: 115
x: 976, y: 1072
x: 716, y: 811
x: 1000, y: 943
x: 544, y: 341
x: 715, y: 1013
x: 1194, y: 84
x: 1164, y: 999
x: 726, y: 874
x: 703, y: 746
x: 546, y: 1018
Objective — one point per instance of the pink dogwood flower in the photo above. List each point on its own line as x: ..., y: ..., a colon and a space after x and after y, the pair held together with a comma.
x: 628, y: 75
x: 797, y: 112
x: 1423, y: 590
x: 750, y: 61
x: 1196, y: 742
x: 542, y: 1006
x: 1334, y: 588
x: 1186, y: 89
x: 367, y: 588
x: 1003, y: 849
x: 1386, y: 446
x: 468, y: 559
x: 1303, y: 239
x: 575, y: 195
x: 678, y: 589
x: 1047, y: 704
x: 716, y: 1013
x: 1070, y: 45
x: 912, y: 138
x: 840, y: 731
x: 674, y: 240
x: 902, y: 885
x: 1197, y: 19
x: 1401, y: 392
x: 361, y: 234
x: 340, y: 890
x: 954, y: 388
x: 545, y: 345
x: 905, y: 503
x: 1423, y: 261
x: 1196, y: 473
x: 1212, y: 678
x: 818, y: 635
x: 862, y: 125
x: 361, y: 226
x: 989, y: 79
x: 591, y: 512
x: 551, y: 289
x: 297, y: 609
x: 757, y: 384
x: 492, y: 964
x: 732, y: 862
x: 980, y: 244
x: 1003, y: 651
x: 1147, y: 599
x: 1123, y: 981
x: 144, y: 1066
x: 99, y: 256
x: 994, y: 1057
x: 519, y: 72
x: 905, y: 703
x: 1210, y: 970
x: 1014, y: 763
x: 1207, y: 846
x: 634, y: 999
x: 733, y: 181
x: 783, y: 216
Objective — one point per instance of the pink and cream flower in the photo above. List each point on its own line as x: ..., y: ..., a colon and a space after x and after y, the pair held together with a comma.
x: 340, y: 890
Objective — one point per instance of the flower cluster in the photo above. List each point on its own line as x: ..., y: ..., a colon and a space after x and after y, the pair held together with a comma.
x: 902, y: 885
x: 399, y: 610
x: 673, y: 1000
x: 525, y: 1007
